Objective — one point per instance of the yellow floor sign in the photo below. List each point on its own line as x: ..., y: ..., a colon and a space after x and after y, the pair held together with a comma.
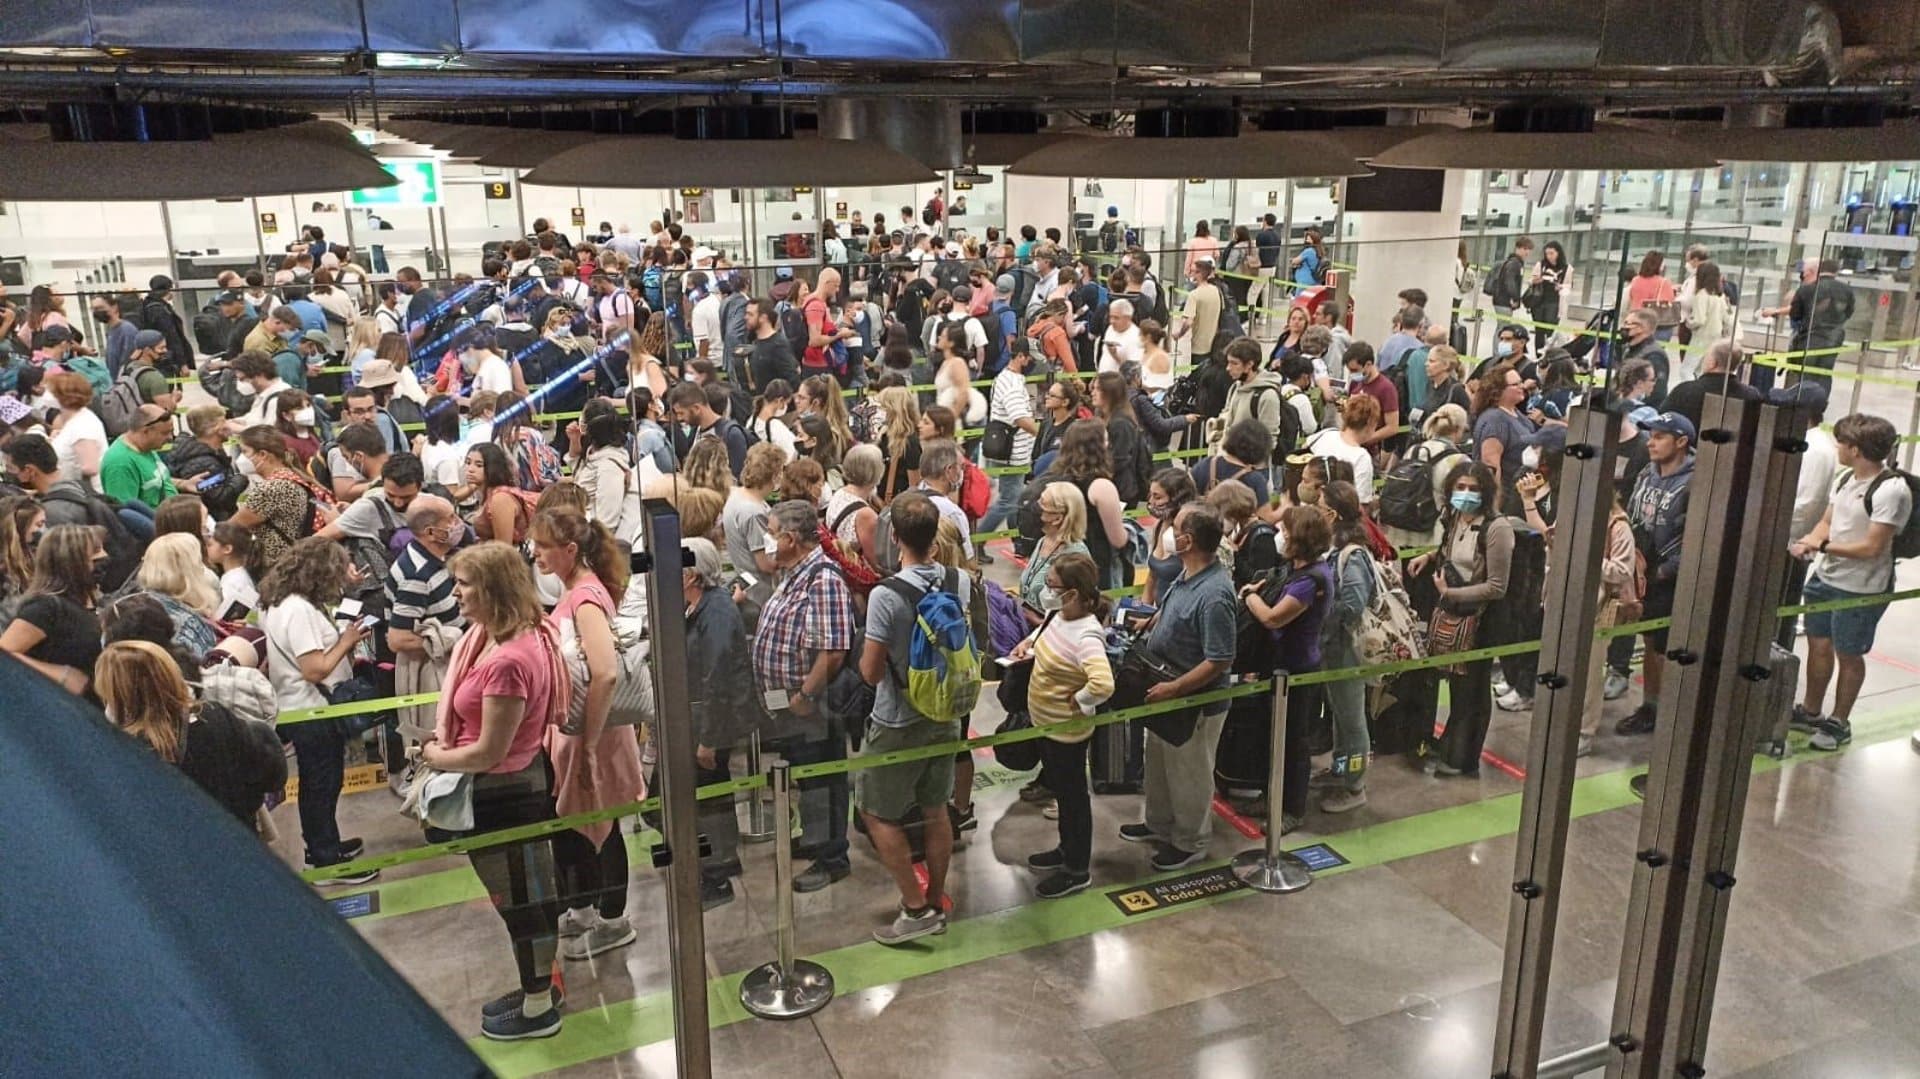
x: 360, y: 778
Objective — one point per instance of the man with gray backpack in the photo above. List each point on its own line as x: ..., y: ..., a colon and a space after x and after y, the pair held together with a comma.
x: 924, y: 665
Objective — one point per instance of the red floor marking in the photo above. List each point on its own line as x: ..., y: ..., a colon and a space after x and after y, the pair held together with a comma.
x: 1487, y: 756
x: 1898, y: 664
x: 1246, y: 826
x: 920, y: 874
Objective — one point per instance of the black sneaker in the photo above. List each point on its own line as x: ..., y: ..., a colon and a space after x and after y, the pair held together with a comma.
x: 1034, y: 792
x: 361, y: 876
x: 1062, y: 884
x: 351, y: 848
x: 963, y: 819
x: 1047, y: 859
x: 715, y: 893
x: 1640, y: 722
x: 1638, y: 785
x: 818, y: 876
x: 509, y: 1003
x: 1803, y: 721
x: 516, y: 1025
x: 1831, y: 735
x: 1138, y: 833
x: 1172, y: 858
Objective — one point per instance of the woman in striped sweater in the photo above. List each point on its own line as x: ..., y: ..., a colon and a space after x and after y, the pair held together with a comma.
x: 1071, y: 678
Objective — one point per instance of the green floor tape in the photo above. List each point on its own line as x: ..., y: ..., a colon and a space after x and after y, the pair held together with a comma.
x: 631, y: 1024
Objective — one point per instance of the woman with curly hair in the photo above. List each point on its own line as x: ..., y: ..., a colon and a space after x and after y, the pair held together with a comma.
x: 21, y: 523
x: 644, y: 360
x: 308, y: 654
x: 55, y: 630
x: 502, y: 511
x: 1085, y: 462
x: 284, y: 504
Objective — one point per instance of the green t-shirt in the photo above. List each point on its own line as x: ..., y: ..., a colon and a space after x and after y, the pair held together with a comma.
x: 150, y: 382
x: 132, y: 476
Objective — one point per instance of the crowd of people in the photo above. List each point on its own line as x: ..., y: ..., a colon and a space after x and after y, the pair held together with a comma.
x: 841, y: 453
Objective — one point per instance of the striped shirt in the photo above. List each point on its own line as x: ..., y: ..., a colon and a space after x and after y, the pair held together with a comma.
x: 1071, y: 676
x: 419, y: 589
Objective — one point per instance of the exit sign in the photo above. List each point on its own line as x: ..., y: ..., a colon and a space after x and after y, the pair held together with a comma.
x: 419, y: 184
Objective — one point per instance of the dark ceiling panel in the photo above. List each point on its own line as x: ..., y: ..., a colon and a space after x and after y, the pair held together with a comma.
x: 1554, y: 35
x: 1067, y: 31
x: 1377, y: 33
x: 901, y: 31
x: 313, y: 26
x: 615, y: 29
x: 45, y: 23
x: 1202, y: 33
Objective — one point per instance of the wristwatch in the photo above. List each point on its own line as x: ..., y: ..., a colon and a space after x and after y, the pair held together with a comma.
x: 801, y: 695
x: 1823, y: 545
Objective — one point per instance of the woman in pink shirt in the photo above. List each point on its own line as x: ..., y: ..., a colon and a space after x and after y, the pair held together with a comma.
x: 1650, y: 288
x: 596, y: 766
x: 505, y: 687
x: 1202, y: 246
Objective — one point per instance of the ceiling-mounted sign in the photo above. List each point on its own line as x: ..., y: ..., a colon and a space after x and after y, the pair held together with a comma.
x: 963, y: 185
x: 839, y: 211
x: 799, y: 191
x: 419, y: 184
x: 692, y: 192
x: 1196, y: 179
x: 579, y: 217
x: 1273, y: 198
x: 499, y: 189
x: 269, y: 224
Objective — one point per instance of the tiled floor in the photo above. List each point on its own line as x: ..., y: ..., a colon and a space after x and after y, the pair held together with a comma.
x: 1390, y: 970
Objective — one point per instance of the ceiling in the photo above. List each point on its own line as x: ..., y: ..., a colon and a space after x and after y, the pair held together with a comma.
x: 1087, y: 59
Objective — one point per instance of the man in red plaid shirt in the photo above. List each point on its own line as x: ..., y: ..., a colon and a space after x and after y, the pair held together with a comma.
x: 805, y: 631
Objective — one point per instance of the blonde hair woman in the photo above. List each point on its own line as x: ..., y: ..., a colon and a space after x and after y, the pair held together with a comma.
x: 644, y: 366
x: 363, y: 344
x: 143, y: 693
x: 899, y: 441
x: 1063, y: 531
x: 174, y: 572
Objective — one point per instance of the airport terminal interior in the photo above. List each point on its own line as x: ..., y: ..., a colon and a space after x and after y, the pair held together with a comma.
x: 798, y: 538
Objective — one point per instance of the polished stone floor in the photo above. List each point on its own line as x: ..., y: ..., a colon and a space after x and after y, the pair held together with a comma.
x: 1389, y: 967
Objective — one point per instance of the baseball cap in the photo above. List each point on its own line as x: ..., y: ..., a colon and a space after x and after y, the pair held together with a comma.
x: 962, y: 294
x: 231, y: 296
x: 1673, y: 423
x: 318, y: 337
x: 1003, y: 284
x: 55, y: 334
x: 148, y: 339
x: 378, y: 373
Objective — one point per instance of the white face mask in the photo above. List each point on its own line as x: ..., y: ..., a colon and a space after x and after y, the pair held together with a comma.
x: 244, y: 465
x: 303, y: 417
x: 771, y: 545
x: 1530, y: 457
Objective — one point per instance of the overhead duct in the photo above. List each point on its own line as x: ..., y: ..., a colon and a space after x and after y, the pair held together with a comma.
x: 1259, y: 156
x: 925, y: 129
x: 643, y: 162
x: 295, y: 160
x: 1802, y: 134
x: 1551, y: 136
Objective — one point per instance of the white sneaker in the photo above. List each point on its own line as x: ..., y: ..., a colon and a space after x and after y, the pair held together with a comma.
x: 575, y: 923
x: 1616, y: 685
x: 1512, y: 701
x: 605, y: 936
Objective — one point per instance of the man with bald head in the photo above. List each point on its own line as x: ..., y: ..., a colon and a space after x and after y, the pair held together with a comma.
x: 423, y: 617
x: 822, y: 331
x: 132, y: 469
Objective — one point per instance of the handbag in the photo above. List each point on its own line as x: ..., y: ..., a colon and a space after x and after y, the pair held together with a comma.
x: 441, y: 800
x: 633, y: 701
x: 1140, y: 669
x: 1452, y: 631
x: 1018, y: 756
x: 1665, y: 312
x: 352, y: 691
x: 997, y: 443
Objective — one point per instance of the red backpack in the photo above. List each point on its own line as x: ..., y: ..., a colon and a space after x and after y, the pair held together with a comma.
x: 976, y: 492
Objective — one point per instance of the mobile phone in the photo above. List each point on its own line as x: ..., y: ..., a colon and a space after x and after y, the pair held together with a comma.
x: 235, y: 612
x: 368, y: 621
x: 348, y: 610
x: 211, y: 482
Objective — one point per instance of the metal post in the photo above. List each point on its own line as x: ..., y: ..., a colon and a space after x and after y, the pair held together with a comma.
x: 760, y: 828
x: 679, y: 851
x: 786, y: 988
x: 1720, y: 574
x: 1566, y: 653
x: 1913, y: 428
x: 1853, y: 403
x: 1268, y: 868
x: 1577, y: 1063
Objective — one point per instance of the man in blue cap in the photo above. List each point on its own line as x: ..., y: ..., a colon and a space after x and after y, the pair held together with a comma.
x: 1657, y: 510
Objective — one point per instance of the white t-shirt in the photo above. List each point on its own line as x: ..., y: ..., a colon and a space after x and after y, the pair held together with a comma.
x: 493, y: 376
x: 443, y: 462
x: 706, y: 325
x: 777, y: 432
x: 1851, y: 519
x: 937, y: 331
x: 1815, y: 485
x: 1129, y: 351
x: 294, y: 628
x: 236, y: 586
x: 1328, y: 443
x: 264, y: 410
x: 82, y: 426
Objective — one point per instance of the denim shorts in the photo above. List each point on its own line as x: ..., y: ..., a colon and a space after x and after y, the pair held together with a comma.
x: 1851, y: 631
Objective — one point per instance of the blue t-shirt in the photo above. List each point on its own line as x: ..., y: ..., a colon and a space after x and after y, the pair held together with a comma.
x: 1303, y: 274
x: 1196, y: 623
x: 312, y: 317
x: 891, y: 621
x: 1214, y: 470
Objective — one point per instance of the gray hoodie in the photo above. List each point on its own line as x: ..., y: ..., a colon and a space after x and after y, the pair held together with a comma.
x: 1657, y: 510
x: 1258, y: 397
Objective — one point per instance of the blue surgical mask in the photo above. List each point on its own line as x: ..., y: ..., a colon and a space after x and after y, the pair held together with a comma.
x: 288, y: 335
x: 1465, y: 501
x: 1504, y: 348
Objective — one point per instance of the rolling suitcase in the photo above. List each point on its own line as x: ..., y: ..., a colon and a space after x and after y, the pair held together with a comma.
x: 1245, y: 752
x: 1407, y: 719
x: 1114, y: 758
x: 1782, y: 689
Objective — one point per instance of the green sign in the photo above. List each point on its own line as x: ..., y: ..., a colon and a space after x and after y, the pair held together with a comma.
x: 419, y: 184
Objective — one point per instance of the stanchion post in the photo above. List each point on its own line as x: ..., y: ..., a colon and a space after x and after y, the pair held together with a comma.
x: 787, y: 988
x: 679, y: 853
x: 1585, y: 497
x: 1913, y: 428
x: 759, y: 827
x: 1267, y: 868
x: 1853, y: 402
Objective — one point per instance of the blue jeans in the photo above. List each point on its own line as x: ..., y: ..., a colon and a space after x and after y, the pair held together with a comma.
x: 1347, y: 699
x: 1006, y: 497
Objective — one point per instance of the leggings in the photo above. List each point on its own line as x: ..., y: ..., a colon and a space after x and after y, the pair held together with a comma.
x: 519, y: 876
x: 1063, y: 771
x: 590, y: 877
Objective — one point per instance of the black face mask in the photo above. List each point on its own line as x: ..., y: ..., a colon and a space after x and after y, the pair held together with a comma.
x: 103, y: 317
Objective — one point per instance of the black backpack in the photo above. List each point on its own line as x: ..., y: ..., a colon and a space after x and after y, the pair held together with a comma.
x: 1027, y: 515
x: 928, y: 216
x: 1508, y: 620
x: 1159, y: 310
x: 1183, y: 397
x: 1287, y: 438
x: 1406, y: 500
x: 1906, y: 542
x: 1254, y: 651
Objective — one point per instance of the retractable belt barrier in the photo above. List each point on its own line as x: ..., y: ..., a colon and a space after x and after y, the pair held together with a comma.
x: 943, y: 749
